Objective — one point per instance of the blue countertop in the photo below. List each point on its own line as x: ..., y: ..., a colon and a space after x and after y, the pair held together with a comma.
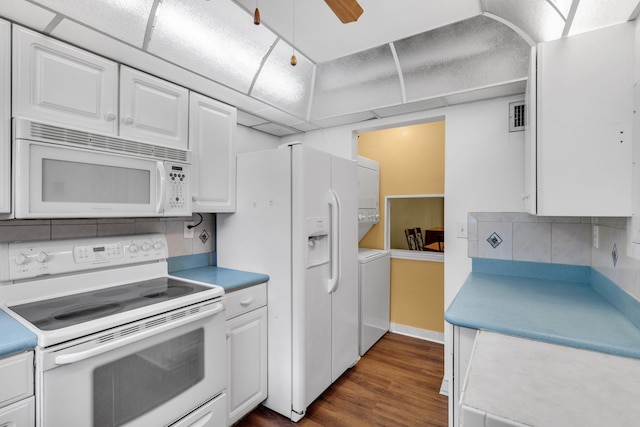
x: 14, y: 338
x: 230, y: 280
x: 579, y: 309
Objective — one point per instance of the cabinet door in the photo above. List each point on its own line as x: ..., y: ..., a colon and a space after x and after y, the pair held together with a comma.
x: 584, y: 115
x: 58, y: 83
x: 5, y: 117
x: 247, y: 358
x: 20, y: 414
x: 463, y: 340
x: 212, y: 127
x: 152, y: 109
x: 530, y: 192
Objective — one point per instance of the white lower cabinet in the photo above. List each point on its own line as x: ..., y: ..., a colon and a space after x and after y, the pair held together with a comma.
x: 17, y: 406
x: 247, y: 350
x: 463, y: 340
x: 20, y: 414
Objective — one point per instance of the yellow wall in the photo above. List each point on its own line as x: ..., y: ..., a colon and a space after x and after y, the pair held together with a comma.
x: 411, y: 162
x: 417, y: 294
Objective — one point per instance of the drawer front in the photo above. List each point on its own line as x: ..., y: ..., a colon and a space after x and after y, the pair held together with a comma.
x: 245, y: 300
x: 21, y: 414
x: 211, y: 414
x: 16, y: 377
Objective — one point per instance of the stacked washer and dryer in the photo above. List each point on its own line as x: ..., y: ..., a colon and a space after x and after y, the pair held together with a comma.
x: 375, y: 264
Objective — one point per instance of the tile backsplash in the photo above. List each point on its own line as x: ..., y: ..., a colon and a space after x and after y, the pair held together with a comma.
x: 524, y: 237
x: 556, y: 240
x: 203, y: 240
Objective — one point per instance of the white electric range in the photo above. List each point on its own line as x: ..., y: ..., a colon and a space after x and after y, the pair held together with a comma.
x: 121, y: 339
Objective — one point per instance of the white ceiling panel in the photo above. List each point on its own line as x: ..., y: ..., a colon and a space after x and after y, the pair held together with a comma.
x: 26, y: 13
x: 357, y: 82
x: 537, y: 18
x: 474, y: 53
x: 249, y: 120
x: 125, y: 20
x: 211, y: 38
x: 345, y: 119
x: 283, y: 85
x: 513, y: 88
x: 275, y: 129
x: 593, y: 14
x: 322, y: 37
x: 411, y: 107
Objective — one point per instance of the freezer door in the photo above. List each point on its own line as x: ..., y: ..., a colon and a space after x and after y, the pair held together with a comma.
x: 311, y: 309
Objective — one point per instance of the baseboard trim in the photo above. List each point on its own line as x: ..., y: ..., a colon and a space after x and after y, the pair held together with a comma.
x: 422, y: 334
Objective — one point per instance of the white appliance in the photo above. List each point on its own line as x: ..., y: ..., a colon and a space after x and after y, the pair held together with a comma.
x: 375, y: 296
x: 124, y: 341
x: 368, y: 195
x: 296, y: 222
x: 62, y: 172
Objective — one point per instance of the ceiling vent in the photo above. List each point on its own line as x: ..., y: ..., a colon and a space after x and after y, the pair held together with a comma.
x: 516, y: 116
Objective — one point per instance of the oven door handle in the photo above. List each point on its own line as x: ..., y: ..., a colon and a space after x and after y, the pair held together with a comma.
x: 66, y: 359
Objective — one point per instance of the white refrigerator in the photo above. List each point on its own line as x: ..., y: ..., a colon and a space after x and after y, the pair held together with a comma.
x: 296, y: 220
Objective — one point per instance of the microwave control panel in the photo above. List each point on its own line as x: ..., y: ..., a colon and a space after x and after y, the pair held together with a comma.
x: 178, y: 201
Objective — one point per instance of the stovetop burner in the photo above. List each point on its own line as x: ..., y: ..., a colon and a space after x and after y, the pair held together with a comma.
x: 74, y: 309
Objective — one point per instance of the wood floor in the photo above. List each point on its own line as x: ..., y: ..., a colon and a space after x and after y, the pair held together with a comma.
x: 396, y: 383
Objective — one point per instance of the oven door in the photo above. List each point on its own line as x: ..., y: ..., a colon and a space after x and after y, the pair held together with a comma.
x: 153, y: 373
x: 56, y: 181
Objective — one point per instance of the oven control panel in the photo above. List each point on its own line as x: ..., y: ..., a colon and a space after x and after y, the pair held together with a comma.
x: 50, y: 257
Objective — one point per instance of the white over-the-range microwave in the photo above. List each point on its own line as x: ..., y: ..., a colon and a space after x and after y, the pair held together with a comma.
x: 67, y: 173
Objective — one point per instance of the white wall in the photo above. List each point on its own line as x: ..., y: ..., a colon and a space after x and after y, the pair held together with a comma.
x: 248, y: 139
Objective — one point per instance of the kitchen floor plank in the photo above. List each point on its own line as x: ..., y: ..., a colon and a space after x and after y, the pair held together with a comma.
x: 396, y: 383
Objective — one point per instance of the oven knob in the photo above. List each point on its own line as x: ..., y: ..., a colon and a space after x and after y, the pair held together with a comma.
x: 145, y: 247
x: 133, y: 248
x: 42, y: 257
x: 21, y: 259
x: 157, y: 246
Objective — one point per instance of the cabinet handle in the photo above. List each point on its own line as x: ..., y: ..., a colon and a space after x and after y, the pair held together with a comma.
x: 246, y: 302
x: 110, y: 117
x: 128, y: 121
x: 195, y: 198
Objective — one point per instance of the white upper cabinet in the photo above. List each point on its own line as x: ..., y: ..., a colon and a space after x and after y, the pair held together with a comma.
x: 212, y: 127
x: 529, y: 192
x: 152, y: 109
x: 5, y: 118
x: 61, y: 84
x: 584, y: 123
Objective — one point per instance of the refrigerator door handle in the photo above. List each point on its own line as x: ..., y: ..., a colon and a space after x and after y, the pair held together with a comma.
x: 334, y: 280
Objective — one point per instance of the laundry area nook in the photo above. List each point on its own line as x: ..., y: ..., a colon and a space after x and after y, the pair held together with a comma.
x: 327, y: 213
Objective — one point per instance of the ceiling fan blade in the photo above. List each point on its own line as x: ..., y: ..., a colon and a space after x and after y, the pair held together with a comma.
x: 346, y: 10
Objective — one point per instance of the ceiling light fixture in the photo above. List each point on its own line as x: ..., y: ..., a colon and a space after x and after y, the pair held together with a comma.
x: 256, y: 15
x: 294, y: 60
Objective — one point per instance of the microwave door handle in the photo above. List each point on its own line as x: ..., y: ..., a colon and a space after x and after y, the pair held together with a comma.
x: 67, y: 359
x: 161, y: 189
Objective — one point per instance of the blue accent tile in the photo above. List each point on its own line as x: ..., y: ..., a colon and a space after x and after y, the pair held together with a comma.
x: 534, y: 270
x: 186, y: 262
x: 494, y: 240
